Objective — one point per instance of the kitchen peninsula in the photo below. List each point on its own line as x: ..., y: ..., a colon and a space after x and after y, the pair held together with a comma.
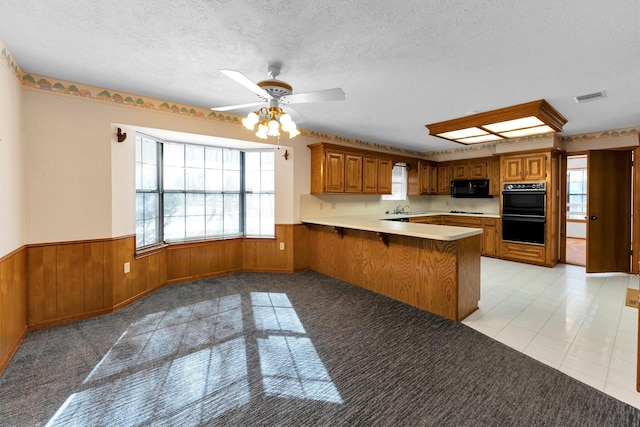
x: 432, y: 267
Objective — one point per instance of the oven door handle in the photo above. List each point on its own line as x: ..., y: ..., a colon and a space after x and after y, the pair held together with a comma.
x: 524, y: 218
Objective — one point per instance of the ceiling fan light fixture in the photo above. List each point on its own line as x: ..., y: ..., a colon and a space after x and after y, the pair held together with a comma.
x: 250, y: 121
x: 531, y: 118
x: 272, y: 120
x: 262, y: 131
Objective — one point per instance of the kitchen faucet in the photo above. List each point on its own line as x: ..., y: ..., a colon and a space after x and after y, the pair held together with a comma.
x: 400, y: 209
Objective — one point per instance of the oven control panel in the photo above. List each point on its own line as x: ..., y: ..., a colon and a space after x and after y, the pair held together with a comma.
x: 526, y: 186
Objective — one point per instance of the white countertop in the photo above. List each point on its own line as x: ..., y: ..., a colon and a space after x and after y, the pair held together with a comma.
x: 379, y: 224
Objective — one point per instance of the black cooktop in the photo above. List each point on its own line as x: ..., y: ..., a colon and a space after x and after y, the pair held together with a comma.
x: 469, y: 213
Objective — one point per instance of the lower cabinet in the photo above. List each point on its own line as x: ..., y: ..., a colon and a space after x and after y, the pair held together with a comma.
x: 523, y: 252
x: 491, y: 240
x: 490, y: 227
x: 434, y: 219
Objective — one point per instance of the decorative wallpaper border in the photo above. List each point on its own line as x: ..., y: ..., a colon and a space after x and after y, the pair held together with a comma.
x: 8, y: 60
x: 63, y: 87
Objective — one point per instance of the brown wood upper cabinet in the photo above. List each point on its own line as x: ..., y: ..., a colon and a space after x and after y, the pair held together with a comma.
x: 444, y: 178
x: 524, y: 168
x: 337, y: 169
x: 469, y: 169
x: 422, y: 179
x: 352, y: 173
x: 385, y: 165
x: 370, y: 167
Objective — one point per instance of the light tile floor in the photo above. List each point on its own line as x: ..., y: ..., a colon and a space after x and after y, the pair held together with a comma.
x: 572, y: 321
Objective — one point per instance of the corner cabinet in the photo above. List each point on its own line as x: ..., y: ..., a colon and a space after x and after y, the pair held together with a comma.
x: 336, y: 169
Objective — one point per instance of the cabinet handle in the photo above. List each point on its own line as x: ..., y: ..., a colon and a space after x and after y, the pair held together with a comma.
x: 593, y: 217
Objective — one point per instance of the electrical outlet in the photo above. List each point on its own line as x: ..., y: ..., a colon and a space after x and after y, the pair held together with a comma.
x: 282, y: 246
x: 127, y: 267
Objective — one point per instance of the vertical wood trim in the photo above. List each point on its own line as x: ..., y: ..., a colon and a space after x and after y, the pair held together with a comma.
x: 41, y: 283
x: 94, y: 276
x: 70, y: 280
x: 468, y: 265
x: 13, y: 304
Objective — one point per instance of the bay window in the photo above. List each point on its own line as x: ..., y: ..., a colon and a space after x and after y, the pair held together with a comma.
x: 203, y: 192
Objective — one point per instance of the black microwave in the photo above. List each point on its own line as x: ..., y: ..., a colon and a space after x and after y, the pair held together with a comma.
x: 470, y: 188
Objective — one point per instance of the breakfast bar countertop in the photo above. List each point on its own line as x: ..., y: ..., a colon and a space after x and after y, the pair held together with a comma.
x: 384, y: 223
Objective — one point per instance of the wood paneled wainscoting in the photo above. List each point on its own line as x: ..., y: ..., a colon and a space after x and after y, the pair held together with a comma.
x: 74, y: 280
x: 13, y: 303
x: 44, y: 285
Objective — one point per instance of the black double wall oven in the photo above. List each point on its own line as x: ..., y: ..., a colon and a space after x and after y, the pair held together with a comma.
x: 524, y: 209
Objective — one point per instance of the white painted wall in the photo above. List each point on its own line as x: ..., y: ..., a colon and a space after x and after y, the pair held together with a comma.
x: 80, y: 183
x: 12, y: 163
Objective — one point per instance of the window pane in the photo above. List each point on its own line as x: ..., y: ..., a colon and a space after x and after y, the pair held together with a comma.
x: 231, y: 180
x: 195, y: 179
x: 267, y: 215
x: 195, y: 204
x: 147, y: 192
x: 231, y: 214
x: 149, y: 151
x: 214, y: 214
x: 173, y: 178
x: 267, y: 181
x: 252, y: 215
x: 267, y: 160
x: 174, y: 204
x: 398, y: 184
x: 213, y: 158
x: 173, y: 154
x: 252, y: 181
x: 252, y: 160
x: 194, y: 156
x: 195, y: 226
x: 213, y: 180
x: 174, y: 228
x: 149, y: 179
x: 232, y: 160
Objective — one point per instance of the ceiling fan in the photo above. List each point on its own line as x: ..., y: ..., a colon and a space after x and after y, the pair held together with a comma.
x: 275, y: 93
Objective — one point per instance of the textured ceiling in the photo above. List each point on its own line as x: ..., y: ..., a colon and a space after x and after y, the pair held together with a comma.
x: 402, y: 64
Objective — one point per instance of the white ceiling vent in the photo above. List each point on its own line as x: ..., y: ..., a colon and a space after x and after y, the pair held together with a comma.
x: 590, y: 97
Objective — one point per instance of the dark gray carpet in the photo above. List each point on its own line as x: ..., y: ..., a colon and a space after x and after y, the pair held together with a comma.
x: 277, y: 349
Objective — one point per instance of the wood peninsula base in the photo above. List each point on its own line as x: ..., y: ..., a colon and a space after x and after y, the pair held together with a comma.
x: 439, y: 276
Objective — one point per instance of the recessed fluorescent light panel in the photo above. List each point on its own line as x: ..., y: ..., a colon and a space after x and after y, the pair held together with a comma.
x: 532, y: 118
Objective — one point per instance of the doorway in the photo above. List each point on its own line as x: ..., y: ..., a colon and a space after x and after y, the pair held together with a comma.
x: 576, y: 210
x: 597, y: 219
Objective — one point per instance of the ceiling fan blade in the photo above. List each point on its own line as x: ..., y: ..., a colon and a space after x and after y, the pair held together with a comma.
x: 295, y: 114
x: 335, y: 94
x: 236, y: 107
x: 246, y: 82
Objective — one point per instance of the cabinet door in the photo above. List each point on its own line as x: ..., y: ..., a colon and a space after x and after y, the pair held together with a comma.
x: 334, y: 167
x: 444, y: 180
x: 352, y: 173
x: 512, y: 168
x: 369, y: 174
x: 493, y: 172
x: 534, y: 168
x: 490, y: 240
x: 425, y: 178
x: 385, y: 167
x: 433, y: 180
x: 459, y: 170
x: 477, y: 169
